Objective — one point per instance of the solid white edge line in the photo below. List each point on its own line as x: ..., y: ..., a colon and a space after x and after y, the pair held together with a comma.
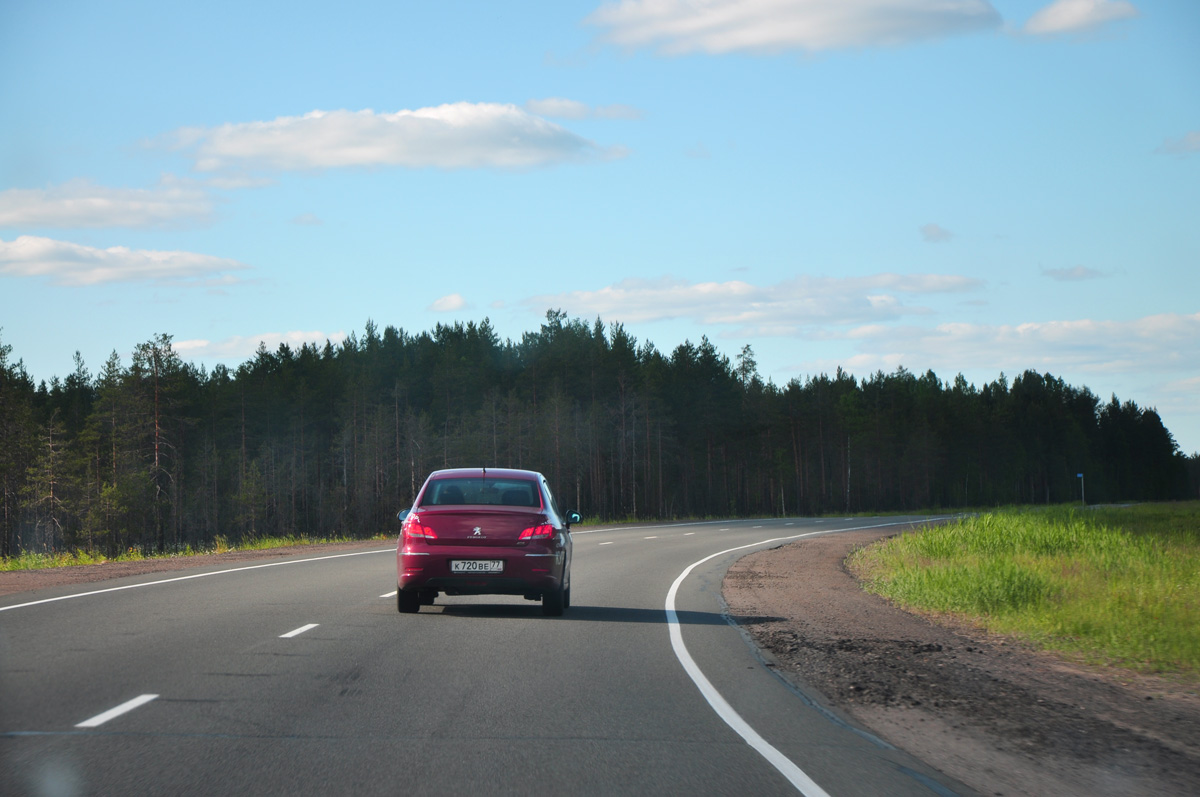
x: 299, y: 631
x: 795, y: 775
x: 640, y: 527
x: 188, y: 578
x: 607, y: 543
x: 391, y: 594
x: 128, y: 705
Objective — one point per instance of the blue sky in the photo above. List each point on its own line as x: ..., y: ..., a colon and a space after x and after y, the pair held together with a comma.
x: 957, y: 185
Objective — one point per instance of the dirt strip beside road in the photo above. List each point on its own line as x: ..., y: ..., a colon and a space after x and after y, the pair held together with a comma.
x: 24, y: 580
x: 986, y: 710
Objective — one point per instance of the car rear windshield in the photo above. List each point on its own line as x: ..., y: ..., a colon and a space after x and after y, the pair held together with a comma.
x: 487, y: 491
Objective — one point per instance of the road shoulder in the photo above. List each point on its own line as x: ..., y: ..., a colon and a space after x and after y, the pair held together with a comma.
x: 13, y: 581
x: 989, y: 712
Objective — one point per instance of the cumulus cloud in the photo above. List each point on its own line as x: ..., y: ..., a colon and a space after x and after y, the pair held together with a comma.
x: 74, y: 264
x: 244, y: 347
x: 1070, y: 16
x: 1186, y: 145
x: 1076, y: 274
x: 448, y: 304
x: 456, y: 136
x: 785, y: 308
x: 80, y: 203
x: 766, y: 26
x: 935, y: 234
x: 559, y: 108
x: 1168, y: 342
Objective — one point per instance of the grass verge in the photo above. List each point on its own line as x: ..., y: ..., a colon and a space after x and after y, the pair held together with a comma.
x: 1114, y: 586
x: 41, y: 561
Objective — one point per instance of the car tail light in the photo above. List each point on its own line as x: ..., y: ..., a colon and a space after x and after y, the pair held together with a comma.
x: 414, y: 528
x: 542, y: 532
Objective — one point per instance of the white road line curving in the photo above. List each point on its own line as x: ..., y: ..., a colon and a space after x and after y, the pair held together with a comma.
x: 795, y: 775
x: 642, y: 527
x: 127, y: 706
x: 189, y: 578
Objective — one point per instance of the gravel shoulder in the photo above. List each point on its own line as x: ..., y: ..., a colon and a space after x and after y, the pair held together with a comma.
x: 993, y: 713
x: 24, y: 580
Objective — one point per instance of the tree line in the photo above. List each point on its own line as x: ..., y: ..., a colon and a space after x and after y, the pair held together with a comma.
x: 162, y: 455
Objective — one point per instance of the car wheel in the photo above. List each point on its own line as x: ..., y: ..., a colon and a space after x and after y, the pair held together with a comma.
x: 567, y: 597
x: 552, y: 602
x: 408, y: 602
x: 427, y: 598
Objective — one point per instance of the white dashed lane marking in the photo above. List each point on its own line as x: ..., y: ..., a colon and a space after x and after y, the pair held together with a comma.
x: 298, y: 631
x: 112, y: 713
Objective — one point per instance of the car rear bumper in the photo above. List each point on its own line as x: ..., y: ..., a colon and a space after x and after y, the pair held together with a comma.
x: 525, y: 571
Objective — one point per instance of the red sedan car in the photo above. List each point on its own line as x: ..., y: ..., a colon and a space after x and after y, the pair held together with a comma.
x: 485, y: 531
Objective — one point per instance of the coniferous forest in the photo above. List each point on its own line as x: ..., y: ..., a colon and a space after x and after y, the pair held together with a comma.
x: 157, y: 454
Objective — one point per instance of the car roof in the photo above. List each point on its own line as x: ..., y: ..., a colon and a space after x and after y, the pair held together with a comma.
x: 476, y: 473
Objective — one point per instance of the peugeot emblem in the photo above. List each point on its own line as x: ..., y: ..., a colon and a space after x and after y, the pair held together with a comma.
x: 478, y: 532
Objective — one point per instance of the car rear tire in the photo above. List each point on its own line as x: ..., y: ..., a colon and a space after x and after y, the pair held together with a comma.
x: 408, y: 602
x: 567, y: 597
x: 552, y: 602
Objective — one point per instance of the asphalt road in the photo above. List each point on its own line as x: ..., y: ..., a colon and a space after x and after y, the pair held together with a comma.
x: 302, y: 678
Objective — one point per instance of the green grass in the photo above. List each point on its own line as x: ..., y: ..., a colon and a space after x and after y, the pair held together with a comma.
x: 1117, y: 586
x: 41, y: 561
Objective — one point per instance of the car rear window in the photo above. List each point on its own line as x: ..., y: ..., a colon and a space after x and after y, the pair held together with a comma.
x: 485, y: 491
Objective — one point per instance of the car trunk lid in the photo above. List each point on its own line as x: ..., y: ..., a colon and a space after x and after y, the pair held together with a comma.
x: 482, y: 526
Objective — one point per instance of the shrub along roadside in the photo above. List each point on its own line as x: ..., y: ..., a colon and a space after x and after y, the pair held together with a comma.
x: 1114, y: 586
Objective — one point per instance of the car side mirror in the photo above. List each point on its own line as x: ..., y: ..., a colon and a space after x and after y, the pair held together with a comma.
x: 402, y: 514
x: 573, y: 517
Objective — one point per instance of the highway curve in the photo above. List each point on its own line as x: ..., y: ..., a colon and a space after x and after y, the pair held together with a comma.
x: 300, y: 677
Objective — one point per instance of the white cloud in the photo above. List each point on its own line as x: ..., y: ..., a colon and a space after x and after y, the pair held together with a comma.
x: 1076, y: 274
x: 73, y: 264
x: 559, y: 108
x: 785, y: 308
x: 935, y: 234
x: 1186, y: 145
x: 456, y: 136
x: 307, y: 220
x: 1158, y: 343
x: 448, y: 304
x: 79, y: 203
x: 239, y: 348
x: 1069, y: 16
x: 767, y: 26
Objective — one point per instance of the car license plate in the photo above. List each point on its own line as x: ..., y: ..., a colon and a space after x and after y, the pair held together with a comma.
x: 476, y: 565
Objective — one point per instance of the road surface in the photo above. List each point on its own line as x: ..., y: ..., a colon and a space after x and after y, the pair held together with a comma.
x: 300, y: 677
